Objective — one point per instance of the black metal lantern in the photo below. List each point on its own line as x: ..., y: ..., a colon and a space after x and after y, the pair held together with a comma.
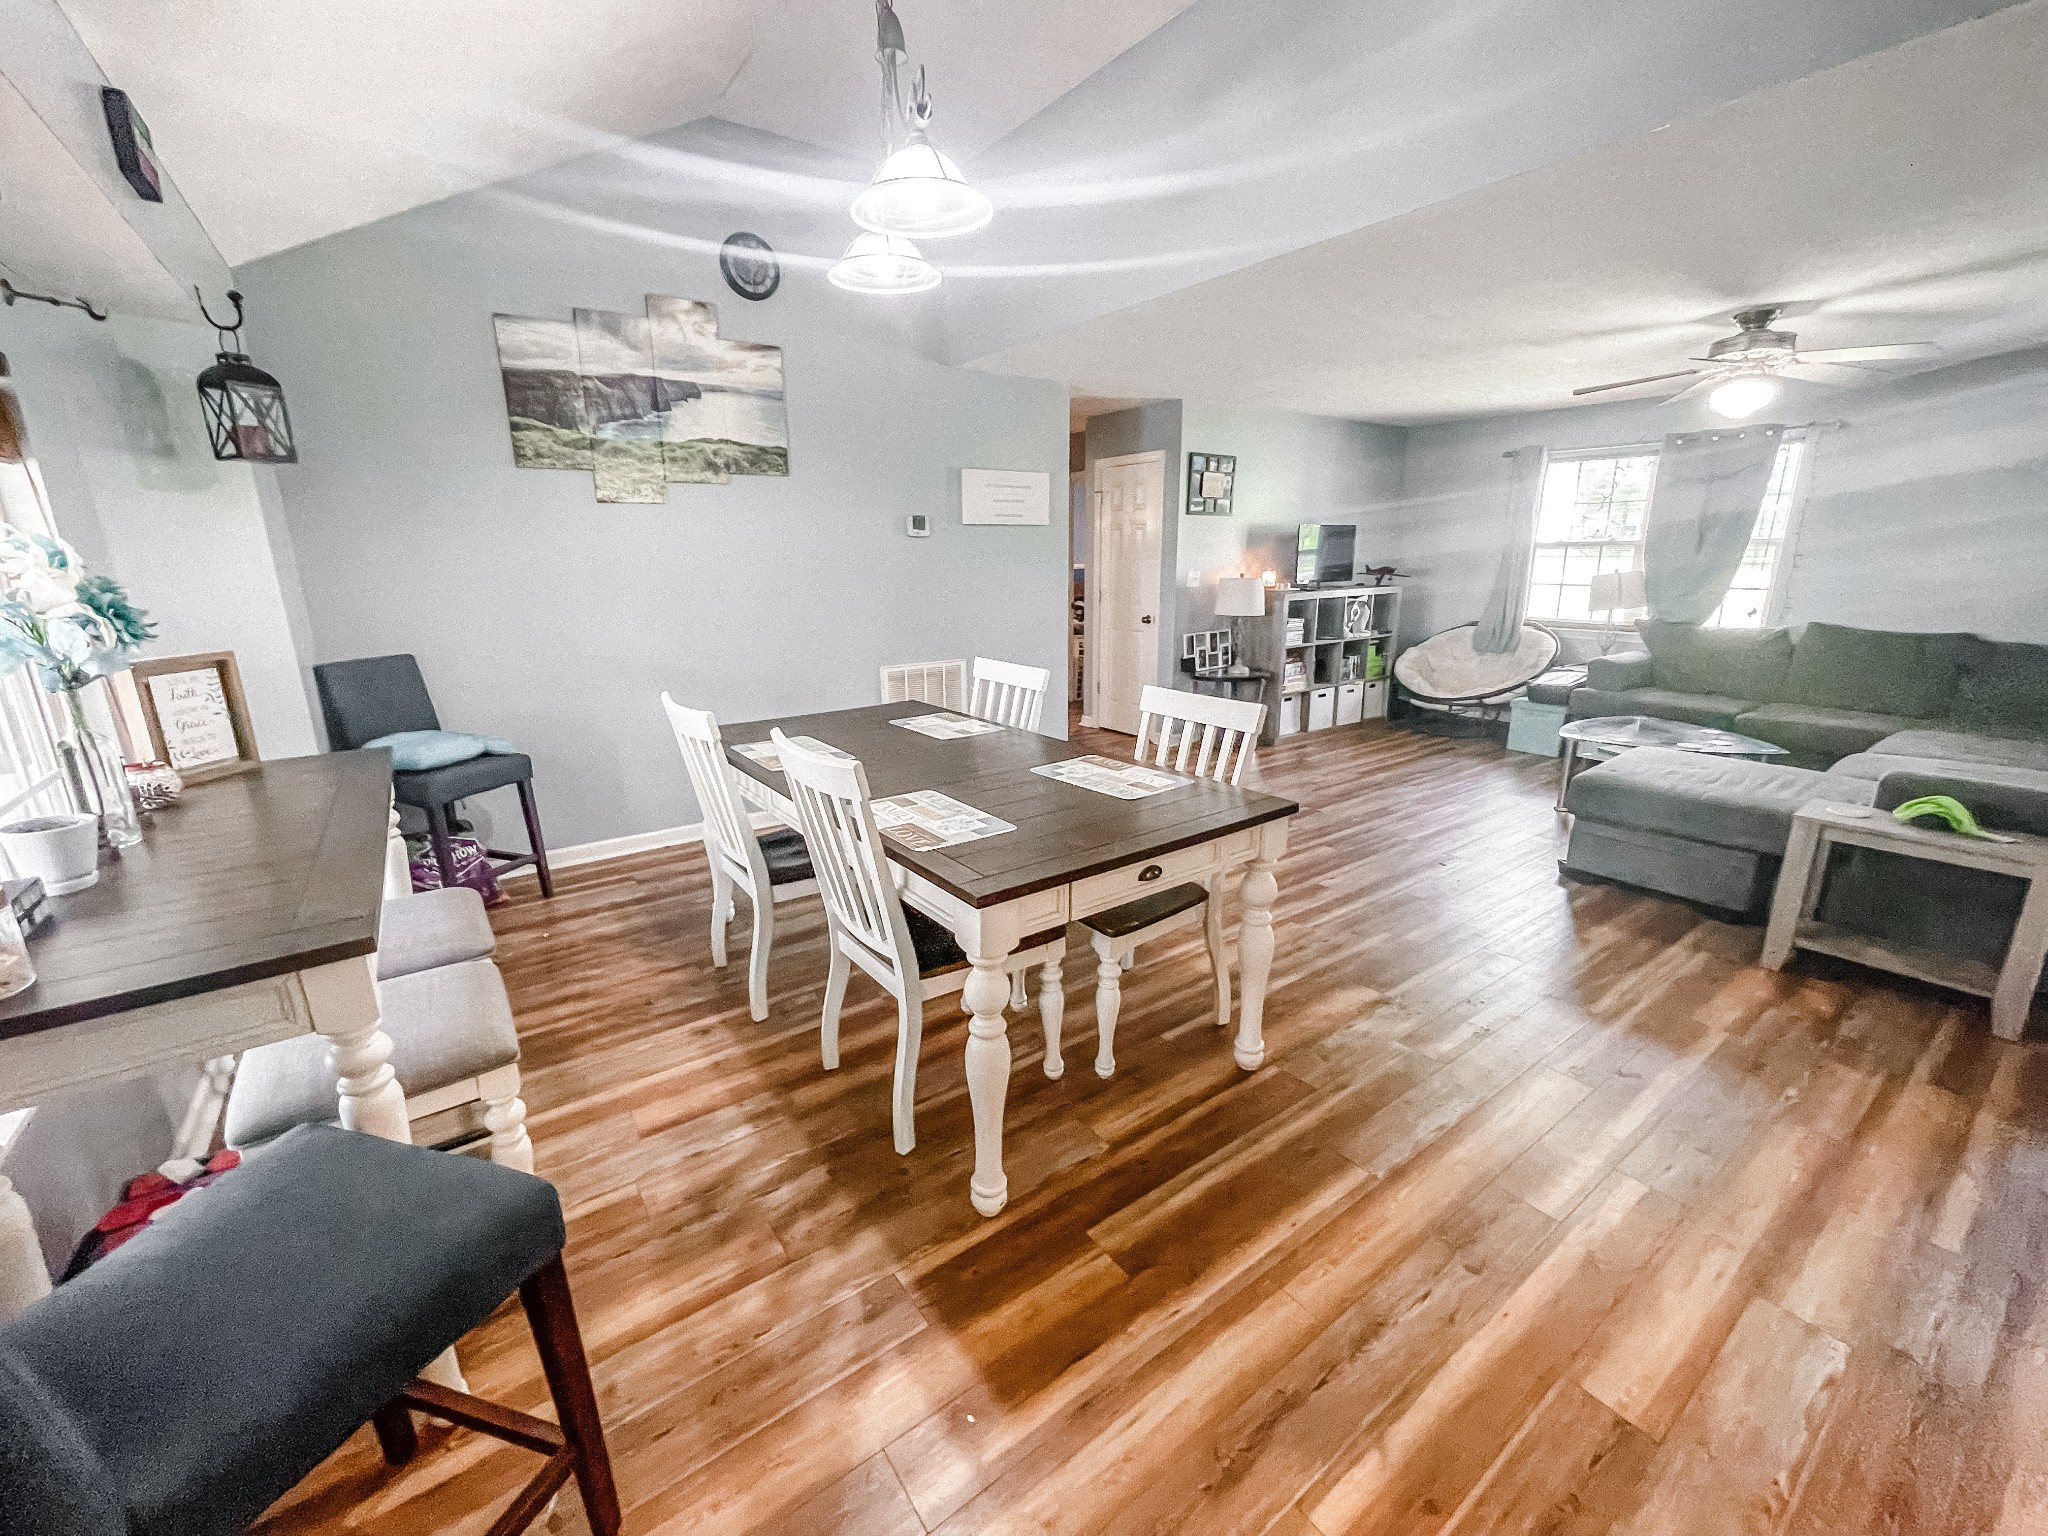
x: 244, y: 406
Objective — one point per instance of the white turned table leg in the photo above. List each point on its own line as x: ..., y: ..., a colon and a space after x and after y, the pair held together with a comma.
x: 343, y: 1000
x: 1109, y: 978
x: 1255, y: 954
x: 1052, y: 1012
x: 988, y: 1075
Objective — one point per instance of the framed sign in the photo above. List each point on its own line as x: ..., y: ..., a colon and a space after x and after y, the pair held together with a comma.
x: 1013, y: 497
x: 1212, y: 478
x: 195, y: 713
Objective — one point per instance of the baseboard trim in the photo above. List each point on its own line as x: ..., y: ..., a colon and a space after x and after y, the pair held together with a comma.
x: 622, y: 847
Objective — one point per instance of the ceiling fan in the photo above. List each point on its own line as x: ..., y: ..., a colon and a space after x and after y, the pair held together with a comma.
x: 1742, y: 371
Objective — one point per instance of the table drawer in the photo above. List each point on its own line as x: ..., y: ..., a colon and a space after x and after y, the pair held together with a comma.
x: 1143, y: 877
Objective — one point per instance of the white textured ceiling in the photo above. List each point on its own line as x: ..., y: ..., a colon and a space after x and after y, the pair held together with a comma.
x: 283, y: 122
x: 1901, y: 197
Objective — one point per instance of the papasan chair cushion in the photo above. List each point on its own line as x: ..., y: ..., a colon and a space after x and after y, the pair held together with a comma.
x: 1445, y: 669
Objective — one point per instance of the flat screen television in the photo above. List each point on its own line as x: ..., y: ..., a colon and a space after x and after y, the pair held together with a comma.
x: 1324, y: 553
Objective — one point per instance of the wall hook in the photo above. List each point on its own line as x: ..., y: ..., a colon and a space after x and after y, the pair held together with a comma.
x: 231, y: 329
x: 10, y: 294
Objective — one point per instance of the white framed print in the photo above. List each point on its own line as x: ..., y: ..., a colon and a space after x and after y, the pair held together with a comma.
x: 1006, y: 497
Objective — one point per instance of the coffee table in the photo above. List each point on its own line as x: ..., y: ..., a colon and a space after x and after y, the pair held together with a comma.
x: 1609, y: 735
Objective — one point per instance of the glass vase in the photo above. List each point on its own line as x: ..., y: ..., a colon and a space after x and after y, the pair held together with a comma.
x: 89, y: 762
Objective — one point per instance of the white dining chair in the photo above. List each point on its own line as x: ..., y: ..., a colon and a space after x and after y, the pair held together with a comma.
x: 1204, y: 737
x: 771, y: 867
x: 912, y: 956
x: 1009, y: 693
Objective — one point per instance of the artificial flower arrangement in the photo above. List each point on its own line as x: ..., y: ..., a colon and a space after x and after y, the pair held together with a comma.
x: 73, y: 628
x: 70, y: 626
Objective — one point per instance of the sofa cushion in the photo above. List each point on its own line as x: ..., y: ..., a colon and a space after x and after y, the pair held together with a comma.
x: 1876, y: 671
x: 2001, y: 687
x: 1817, y: 734
x: 1956, y: 746
x: 1730, y: 802
x: 1734, y: 663
x: 1661, y: 703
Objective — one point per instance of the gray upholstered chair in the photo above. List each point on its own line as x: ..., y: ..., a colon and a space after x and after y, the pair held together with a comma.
x: 184, y: 1383
x: 377, y: 696
x: 453, y: 1043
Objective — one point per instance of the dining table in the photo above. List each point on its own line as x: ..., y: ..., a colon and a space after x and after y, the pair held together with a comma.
x: 1071, y: 851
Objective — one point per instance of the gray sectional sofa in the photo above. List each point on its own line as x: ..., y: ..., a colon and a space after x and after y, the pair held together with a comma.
x: 1869, y: 717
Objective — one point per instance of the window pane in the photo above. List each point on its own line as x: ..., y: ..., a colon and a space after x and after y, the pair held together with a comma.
x: 1548, y: 568
x: 1571, y: 604
x: 1580, y: 562
x: 1747, y: 601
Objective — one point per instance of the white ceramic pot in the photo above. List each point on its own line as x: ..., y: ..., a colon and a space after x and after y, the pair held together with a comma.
x: 62, y: 851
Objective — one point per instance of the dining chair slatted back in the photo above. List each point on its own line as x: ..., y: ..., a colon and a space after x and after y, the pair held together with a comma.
x: 1009, y: 693
x: 1196, y: 734
x: 728, y: 833
x: 831, y: 798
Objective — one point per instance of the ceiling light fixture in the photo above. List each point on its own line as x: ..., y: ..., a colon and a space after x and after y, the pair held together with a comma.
x: 882, y: 264
x: 1744, y: 396
x: 918, y: 193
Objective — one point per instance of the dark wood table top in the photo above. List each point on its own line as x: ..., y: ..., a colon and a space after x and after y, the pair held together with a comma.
x: 1064, y: 832
x: 271, y: 871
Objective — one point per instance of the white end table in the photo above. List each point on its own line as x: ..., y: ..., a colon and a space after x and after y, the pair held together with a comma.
x: 1822, y: 825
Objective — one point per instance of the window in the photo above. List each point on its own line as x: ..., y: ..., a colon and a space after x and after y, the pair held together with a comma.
x: 1589, y: 520
x: 1750, y: 596
x: 29, y: 783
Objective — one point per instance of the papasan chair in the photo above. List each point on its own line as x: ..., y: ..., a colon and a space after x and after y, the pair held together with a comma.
x: 1447, y: 677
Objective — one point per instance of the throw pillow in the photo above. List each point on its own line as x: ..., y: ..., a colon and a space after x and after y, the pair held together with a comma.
x: 2001, y: 688
x: 1880, y: 671
x: 1749, y: 664
x: 420, y: 751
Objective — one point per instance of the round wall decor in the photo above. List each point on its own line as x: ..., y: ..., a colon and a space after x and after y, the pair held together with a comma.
x: 749, y: 265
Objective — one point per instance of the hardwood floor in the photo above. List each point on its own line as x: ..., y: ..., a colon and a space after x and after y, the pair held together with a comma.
x: 1549, y: 1212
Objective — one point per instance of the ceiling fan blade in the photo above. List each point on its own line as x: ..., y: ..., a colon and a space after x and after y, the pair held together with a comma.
x: 1897, y: 352
x: 1810, y: 372
x: 1594, y: 389
x: 1701, y: 387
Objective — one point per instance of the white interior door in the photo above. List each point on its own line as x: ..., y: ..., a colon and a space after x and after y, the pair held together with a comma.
x: 1123, y: 580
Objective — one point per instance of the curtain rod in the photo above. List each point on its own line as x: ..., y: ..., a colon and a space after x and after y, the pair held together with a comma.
x: 1802, y: 426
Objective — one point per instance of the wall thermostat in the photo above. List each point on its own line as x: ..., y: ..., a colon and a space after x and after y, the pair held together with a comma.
x: 918, y: 525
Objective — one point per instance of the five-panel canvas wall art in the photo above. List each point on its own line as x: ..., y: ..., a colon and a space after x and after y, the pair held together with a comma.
x: 642, y: 401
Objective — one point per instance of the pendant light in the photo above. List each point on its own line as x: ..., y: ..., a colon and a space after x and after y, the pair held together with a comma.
x: 883, y: 264
x: 917, y: 194
x: 246, y: 420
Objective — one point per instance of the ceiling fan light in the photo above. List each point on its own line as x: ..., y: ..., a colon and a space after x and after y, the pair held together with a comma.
x: 882, y: 264
x: 1742, y: 397
x: 919, y: 192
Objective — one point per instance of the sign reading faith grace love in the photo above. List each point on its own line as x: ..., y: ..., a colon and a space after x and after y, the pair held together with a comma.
x: 198, y: 727
x: 1016, y: 497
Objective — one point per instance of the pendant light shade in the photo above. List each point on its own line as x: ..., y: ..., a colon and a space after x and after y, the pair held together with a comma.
x: 883, y: 264
x: 920, y: 193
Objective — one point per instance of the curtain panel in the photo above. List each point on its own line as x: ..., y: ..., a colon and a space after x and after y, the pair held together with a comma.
x: 1500, y: 623
x: 1703, y: 508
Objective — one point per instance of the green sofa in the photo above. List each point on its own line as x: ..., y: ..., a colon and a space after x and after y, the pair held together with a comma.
x: 1869, y: 718
x: 1825, y: 692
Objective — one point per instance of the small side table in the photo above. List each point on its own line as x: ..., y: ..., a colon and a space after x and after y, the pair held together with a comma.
x: 1821, y: 825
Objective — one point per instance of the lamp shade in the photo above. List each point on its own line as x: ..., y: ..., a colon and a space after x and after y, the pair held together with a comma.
x: 883, y: 264
x: 1240, y: 597
x: 1611, y: 590
x: 919, y: 192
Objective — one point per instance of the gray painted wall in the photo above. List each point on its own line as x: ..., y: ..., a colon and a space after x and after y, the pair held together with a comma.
x: 1929, y: 511
x: 540, y: 615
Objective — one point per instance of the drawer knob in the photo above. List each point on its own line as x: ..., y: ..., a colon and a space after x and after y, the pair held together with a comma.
x: 1150, y: 872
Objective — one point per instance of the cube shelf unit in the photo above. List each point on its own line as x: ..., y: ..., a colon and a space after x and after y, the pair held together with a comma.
x: 1332, y: 651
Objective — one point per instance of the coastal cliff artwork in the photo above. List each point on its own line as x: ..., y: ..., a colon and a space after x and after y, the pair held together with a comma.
x: 642, y: 402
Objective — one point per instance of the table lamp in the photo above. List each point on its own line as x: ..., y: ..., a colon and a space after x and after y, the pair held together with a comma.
x: 1612, y: 590
x: 1239, y: 597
